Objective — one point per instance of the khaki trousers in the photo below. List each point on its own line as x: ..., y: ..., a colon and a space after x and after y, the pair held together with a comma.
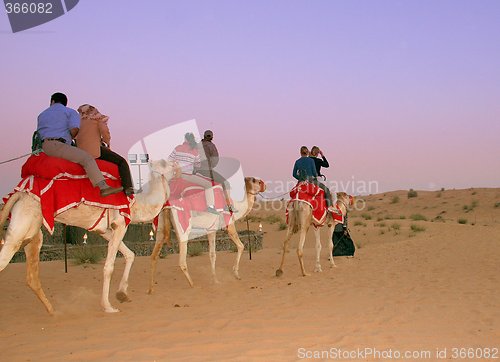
x: 74, y: 154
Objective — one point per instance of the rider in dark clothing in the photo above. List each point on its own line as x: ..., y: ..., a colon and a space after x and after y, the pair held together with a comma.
x: 321, y: 162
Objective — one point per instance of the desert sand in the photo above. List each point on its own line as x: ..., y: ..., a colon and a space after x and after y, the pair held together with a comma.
x: 403, y: 291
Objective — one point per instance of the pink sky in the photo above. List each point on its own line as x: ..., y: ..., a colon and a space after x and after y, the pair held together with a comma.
x: 401, y: 93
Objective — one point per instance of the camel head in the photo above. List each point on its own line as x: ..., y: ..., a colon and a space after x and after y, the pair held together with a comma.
x: 163, y: 168
x: 254, y: 185
x: 91, y: 112
x: 346, y: 199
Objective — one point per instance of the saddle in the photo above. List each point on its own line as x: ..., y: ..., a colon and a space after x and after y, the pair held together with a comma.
x: 312, y: 195
x: 187, y: 197
x: 60, y: 184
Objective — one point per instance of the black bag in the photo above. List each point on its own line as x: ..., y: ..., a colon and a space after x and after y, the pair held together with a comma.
x: 36, y: 143
x: 342, y: 242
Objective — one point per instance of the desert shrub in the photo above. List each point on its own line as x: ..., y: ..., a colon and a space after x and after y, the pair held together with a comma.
x: 402, y: 217
x: 370, y: 208
x: 438, y: 194
x: 438, y: 218
x: 417, y: 228
x: 472, y: 206
x: 418, y: 217
x: 395, y: 200
x: 381, y: 232
x: 380, y: 218
x: 497, y: 205
x: 87, y: 255
x: 474, y: 193
x: 282, y: 226
x: 396, y: 226
x: 387, y: 217
x: 412, y: 193
x: 381, y: 224
x: 272, y: 219
x: 462, y: 221
x: 359, y: 223
x: 442, y: 189
x: 195, y: 248
x: 366, y: 216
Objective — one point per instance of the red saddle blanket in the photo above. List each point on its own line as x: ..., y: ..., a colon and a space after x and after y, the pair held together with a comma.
x: 186, y: 197
x: 312, y: 195
x: 60, y: 185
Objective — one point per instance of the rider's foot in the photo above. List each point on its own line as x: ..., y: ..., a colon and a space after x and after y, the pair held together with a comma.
x: 230, y: 208
x: 110, y: 191
x: 212, y: 210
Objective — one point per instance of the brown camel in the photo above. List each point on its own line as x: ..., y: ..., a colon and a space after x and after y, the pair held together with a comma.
x: 26, y: 220
x: 204, y: 220
x: 300, y: 219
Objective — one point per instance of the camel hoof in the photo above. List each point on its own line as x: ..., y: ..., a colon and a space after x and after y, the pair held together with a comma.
x: 306, y: 274
x: 111, y: 310
x: 150, y: 291
x: 122, y: 297
x: 318, y: 270
x: 279, y: 272
x: 237, y: 276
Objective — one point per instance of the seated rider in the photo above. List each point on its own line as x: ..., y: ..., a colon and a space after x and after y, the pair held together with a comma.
x: 188, y: 158
x: 321, y: 162
x: 95, y: 138
x: 305, y: 170
x: 57, y: 126
x: 209, y: 162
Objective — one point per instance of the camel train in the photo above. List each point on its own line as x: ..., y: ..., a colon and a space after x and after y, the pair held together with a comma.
x: 24, y: 230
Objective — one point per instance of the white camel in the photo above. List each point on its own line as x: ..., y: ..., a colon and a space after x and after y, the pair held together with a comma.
x: 204, y: 220
x: 300, y: 219
x: 26, y: 220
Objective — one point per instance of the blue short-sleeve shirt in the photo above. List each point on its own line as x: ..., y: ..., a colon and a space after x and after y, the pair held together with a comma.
x: 56, y: 121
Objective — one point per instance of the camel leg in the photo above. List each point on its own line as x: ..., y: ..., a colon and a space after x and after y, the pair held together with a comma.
x: 289, y: 233
x: 183, y: 261
x: 154, y: 261
x: 330, y: 245
x: 116, y: 237
x: 32, y: 251
x: 129, y: 256
x: 162, y: 237
x: 21, y: 228
x: 213, y: 255
x: 300, y: 249
x: 317, y: 234
x: 8, y: 250
x: 233, y: 234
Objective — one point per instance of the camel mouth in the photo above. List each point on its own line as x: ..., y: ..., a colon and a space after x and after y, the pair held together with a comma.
x: 262, y: 186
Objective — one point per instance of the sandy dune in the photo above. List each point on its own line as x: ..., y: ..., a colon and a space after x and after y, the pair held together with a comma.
x: 404, y: 290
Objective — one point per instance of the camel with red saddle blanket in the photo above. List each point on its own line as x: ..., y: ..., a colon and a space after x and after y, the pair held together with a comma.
x: 203, y: 220
x: 86, y: 210
x: 307, y: 208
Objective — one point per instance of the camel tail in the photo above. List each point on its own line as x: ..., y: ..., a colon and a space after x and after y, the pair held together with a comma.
x: 4, y: 214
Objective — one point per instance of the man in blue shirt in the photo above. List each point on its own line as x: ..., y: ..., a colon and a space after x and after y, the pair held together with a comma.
x: 57, y: 126
x: 305, y: 170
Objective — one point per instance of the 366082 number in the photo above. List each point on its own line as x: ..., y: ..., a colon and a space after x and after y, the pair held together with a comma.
x: 28, y: 8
